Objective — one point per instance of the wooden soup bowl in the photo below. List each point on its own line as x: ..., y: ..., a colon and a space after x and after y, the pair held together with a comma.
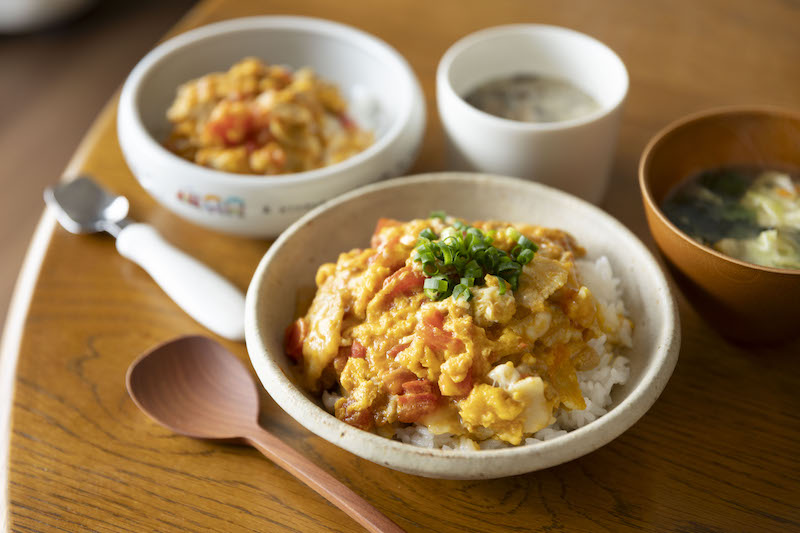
x: 745, y: 302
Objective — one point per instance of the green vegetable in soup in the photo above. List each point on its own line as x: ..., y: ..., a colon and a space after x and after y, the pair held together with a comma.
x: 708, y: 209
x: 726, y: 183
x: 772, y: 247
x: 747, y: 213
x: 775, y: 200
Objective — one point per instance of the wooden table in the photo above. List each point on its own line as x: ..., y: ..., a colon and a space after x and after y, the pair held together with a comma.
x: 717, y: 452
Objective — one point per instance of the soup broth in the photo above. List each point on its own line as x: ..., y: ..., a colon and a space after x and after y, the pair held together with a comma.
x: 532, y: 98
x: 748, y: 213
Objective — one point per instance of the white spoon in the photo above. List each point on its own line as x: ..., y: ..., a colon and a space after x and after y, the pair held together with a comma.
x: 82, y: 206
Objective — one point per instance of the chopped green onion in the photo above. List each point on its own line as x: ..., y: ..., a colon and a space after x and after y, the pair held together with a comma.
x: 449, y: 232
x: 452, y: 240
x: 502, y: 285
x: 510, y: 266
x: 525, y: 242
x: 425, y: 257
x: 438, y: 214
x: 461, y: 291
x: 427, y: 233
x: 477, y: 247
x: 462, y: 252
x: 525, y: 256
x: 437, y: 283
x: 473, y: 270
x: 476, y: 233
x: 512, y: 279
x: 430, y: 269
x: 447, y: 254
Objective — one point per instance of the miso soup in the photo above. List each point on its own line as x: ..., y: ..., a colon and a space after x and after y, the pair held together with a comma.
x: 749, y: 213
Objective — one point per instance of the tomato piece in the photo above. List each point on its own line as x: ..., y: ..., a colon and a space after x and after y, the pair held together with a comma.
x: 377, y: 239
x: 393, y: 381
x: 347, y: 122
x: 394, y: 350
x: 405, y: 280
x: 434, y: 318
x: 357, y: 350
x: 222, y: 128
x: 435, y: 336
x: 360, y: 419
x: 419, y: 398
x: 419, y: 386
x: 294, y: 337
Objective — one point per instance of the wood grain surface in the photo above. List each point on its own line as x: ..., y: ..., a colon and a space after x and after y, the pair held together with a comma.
x: 195, y: 387
x: 718, y: 451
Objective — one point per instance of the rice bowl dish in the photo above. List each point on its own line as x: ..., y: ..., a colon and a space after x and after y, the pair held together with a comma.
x: 448, y: 335
x: 290, y: 265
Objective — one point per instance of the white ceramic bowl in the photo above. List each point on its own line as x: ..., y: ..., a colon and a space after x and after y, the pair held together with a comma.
x: 572, y: 155
x: 383, y: 92
x: 348, y: 221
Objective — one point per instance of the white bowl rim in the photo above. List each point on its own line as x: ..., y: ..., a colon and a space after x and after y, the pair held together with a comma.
x: 441, y: 463
x: 443, y: 78
x: 132, y: 86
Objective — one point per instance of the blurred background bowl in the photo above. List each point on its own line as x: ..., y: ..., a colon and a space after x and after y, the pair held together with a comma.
x: 745, y: 302
x: 17, y: 16
x: 287, y: 271
x: 365, y: 68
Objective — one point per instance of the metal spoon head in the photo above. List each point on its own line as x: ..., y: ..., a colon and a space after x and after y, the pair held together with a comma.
x: 195, y: 387
x: 83, y: 206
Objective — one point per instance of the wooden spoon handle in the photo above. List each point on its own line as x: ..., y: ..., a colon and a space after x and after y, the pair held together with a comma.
x: 325, y: 484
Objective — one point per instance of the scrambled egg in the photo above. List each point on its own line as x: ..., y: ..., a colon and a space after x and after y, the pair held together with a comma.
x: 263, y: 119
x: 497, y: 365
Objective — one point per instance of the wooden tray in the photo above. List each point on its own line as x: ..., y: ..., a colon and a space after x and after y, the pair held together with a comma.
x: 718, y: 451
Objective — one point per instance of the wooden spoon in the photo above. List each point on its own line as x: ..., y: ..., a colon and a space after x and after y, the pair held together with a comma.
x: 195, y: 387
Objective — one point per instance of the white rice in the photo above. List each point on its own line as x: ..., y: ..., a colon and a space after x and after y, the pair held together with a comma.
x: 596, y: 384
x: 329, y: 400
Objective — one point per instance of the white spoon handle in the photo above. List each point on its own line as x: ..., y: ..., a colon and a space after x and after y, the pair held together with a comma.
x: 205, y: 295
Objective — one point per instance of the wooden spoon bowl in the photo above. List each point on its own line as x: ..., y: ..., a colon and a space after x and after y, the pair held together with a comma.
x: 195, y: 387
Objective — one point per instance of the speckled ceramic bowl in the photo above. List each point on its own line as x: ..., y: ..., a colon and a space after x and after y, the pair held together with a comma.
x: 348, y: 221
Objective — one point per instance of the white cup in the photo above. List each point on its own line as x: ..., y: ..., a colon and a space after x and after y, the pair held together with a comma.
x: 573, y: 155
